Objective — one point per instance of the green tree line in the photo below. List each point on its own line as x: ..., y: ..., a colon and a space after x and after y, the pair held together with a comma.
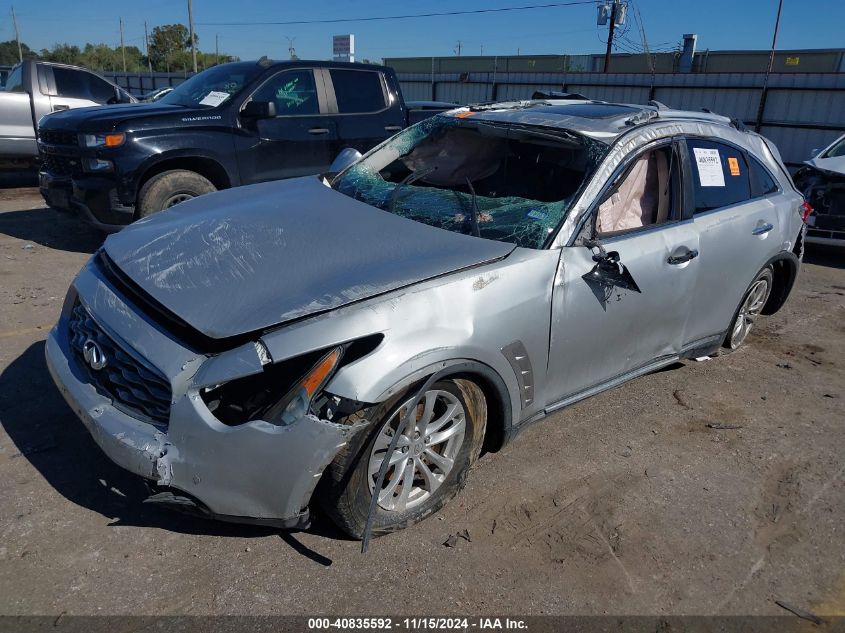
x: 169, y: 51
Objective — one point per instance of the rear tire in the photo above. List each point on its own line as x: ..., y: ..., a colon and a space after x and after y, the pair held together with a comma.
x: 169, y: 188
x: 425, y: 472
x: 749, y: 309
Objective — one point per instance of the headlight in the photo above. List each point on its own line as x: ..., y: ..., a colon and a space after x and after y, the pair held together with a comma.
x: 103, y: 140
x: 257, y: 397
x: 296, y: 402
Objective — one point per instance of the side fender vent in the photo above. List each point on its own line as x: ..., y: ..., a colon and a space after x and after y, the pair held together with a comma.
x: 518, y: 358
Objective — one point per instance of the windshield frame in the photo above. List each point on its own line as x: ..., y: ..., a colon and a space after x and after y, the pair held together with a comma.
x: 548, y: 133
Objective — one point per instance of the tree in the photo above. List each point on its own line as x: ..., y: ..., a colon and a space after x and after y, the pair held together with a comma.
x: 63, y: 54
x: 9, y: 53
x: 100, y: 57
x: 169, y: 51
x: 166, y: 42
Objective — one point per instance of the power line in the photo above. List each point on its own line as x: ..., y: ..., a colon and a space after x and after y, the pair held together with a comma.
x: 552, y: 5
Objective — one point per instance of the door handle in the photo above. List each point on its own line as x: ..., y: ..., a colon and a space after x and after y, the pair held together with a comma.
x: 318, y: 130
x: 674, y: 260
x: 392, y: 128
x: 762, y: 229
x: 56, y: 108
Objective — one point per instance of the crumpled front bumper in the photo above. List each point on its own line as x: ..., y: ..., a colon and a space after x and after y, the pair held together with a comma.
x: 255, y: 472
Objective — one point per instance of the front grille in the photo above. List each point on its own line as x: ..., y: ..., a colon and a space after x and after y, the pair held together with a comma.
x: 134, y: 386
x: 60, y: 165
x: 57, y: 137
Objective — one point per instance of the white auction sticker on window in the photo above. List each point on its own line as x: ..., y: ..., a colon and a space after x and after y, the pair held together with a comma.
x: 214, y: 98
x: 709, y: 167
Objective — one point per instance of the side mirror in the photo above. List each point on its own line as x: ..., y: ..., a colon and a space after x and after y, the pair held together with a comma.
x: 343, y: 160
x: 815, y: 152
x: 607, y: 274
x: 259, y: 110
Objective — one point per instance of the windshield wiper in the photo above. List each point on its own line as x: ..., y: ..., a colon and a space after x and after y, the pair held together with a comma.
x: 473, y: 210
x: 407, y: 180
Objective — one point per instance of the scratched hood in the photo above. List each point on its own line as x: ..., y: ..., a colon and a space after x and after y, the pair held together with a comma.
x: 252, y: 257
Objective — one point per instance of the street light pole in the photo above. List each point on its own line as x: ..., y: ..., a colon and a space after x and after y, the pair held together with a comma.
x: 17, y: 35
x: 122, y: 47
x: 191, y: 29
x: 147, y: 48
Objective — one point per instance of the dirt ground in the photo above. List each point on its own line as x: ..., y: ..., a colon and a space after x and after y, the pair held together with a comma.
x: 628, y: 503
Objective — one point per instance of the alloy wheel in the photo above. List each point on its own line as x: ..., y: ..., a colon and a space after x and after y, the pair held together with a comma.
x: 425, y: 451
x: 756, y: 298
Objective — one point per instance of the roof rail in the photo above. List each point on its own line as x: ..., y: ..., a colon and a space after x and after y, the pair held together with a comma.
x: 643, y: 116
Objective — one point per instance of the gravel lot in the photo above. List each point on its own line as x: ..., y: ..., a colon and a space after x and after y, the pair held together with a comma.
x: 628, y: 503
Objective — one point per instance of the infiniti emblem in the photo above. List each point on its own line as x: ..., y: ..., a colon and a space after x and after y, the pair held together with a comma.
x: 93, y: 354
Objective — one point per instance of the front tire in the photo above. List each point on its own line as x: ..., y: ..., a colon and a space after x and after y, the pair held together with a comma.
x: 750, y: 308
x: 169, y: 188
x: 428, y: 467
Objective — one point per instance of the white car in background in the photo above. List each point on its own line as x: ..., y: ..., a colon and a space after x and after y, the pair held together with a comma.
x: 822, y: 181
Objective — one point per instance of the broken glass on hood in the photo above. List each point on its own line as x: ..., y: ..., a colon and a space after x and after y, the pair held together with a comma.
x: 499, y: 181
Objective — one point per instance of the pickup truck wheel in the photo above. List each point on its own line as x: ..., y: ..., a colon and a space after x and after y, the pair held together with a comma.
x: 428, y: 467
x: 169, y: 188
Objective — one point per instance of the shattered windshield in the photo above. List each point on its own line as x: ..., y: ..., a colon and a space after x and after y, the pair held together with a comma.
x: 497, y: 181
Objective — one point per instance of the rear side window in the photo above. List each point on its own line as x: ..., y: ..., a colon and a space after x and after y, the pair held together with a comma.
x: 762, y: 183
x: 357, y: 91
x: 720, y: 175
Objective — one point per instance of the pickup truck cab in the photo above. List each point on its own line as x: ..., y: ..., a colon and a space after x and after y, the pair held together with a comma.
x: 233, y: 124
x: 34, y: 89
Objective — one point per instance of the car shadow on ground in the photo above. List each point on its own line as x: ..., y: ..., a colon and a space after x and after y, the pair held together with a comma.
x: 823, y: 255
x: 60, y: 230
x: 46, y: 432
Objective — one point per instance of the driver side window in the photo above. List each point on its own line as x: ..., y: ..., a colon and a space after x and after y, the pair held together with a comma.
x: 647, y: 194
x: 294, y: 93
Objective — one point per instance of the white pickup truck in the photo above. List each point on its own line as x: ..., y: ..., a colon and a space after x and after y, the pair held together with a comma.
x: 34, y: 89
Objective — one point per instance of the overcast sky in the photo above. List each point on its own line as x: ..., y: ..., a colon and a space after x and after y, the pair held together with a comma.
x: 720, y: 24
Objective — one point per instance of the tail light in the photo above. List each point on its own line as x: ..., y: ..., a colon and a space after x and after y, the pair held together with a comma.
x: 806, y: 211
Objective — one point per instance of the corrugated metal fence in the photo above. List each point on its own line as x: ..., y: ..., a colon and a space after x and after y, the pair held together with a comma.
x: 141, y: 83
x: 797, y: 111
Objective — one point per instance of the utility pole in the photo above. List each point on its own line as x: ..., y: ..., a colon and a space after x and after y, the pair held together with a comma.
x: 765, y: 91
x: 17, y: 35
x: 147, y: 48
x: 458, y: 48
x: 122, y: 47
x: 613, y: 10
x: 191, y: 29
x: 216, y: 49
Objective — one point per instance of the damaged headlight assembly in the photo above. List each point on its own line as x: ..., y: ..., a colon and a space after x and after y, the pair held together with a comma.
x: 284, y: 392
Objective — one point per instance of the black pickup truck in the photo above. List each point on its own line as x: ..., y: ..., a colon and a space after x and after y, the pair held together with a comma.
x: 233, y: 124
